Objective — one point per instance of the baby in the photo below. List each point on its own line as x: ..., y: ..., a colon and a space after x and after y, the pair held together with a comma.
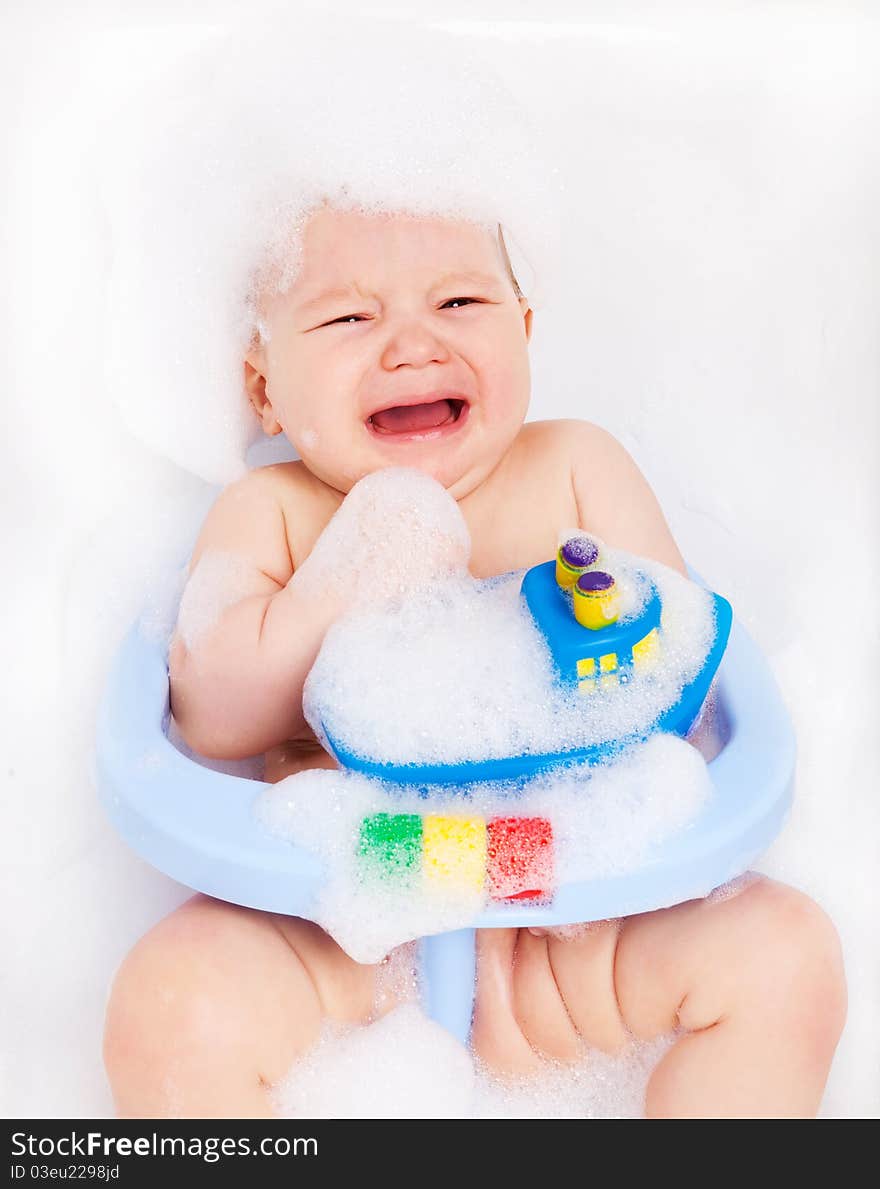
x: 404, y: 342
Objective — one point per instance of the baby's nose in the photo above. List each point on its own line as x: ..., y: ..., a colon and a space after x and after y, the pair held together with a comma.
x: 413, y: 344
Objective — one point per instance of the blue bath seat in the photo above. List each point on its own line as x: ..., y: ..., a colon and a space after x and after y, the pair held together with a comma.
x: 196, y: 825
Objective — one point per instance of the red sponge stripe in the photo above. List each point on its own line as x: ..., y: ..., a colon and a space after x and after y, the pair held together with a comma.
x: 519, y: 858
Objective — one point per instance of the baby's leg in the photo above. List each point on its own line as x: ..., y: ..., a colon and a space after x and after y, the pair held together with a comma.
x: 213, y: 1005
x: 755, y: 981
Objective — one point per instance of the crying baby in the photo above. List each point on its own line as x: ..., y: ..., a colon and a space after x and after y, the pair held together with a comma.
x: 403, y: 342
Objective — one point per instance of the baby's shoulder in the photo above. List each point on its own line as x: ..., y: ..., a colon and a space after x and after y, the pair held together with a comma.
x: 271, y: 515
x: 258, y: 494
x: 612, y: 497
x: 290, y: 484
x: 565, y: 441
x: 304, y: 501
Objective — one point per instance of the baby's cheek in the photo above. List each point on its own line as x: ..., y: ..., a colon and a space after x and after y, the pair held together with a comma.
x: 507, y: 397
x: 328, y: 444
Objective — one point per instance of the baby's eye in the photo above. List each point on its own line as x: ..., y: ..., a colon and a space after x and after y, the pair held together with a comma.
x: 346, y: 318
x: 454, y: 302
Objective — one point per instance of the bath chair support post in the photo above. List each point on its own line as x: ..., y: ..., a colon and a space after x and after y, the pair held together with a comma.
x: 448, y: 969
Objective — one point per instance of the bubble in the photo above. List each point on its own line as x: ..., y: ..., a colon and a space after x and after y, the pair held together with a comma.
x: 379, y: 1072
x: 218, y: 581
x: 397, y: 533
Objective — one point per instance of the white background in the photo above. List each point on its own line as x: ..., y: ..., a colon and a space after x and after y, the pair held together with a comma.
x: 720, y: 314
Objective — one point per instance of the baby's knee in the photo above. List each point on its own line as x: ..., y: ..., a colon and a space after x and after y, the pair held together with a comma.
x: 172, y: 978
x: 206, y: 998
x: 767, y: 951
x: 796, y: 965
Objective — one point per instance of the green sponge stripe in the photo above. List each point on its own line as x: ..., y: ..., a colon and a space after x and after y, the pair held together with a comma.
x: 392, y: 840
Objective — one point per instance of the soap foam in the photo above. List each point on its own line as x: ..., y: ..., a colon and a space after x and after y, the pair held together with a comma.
x: 219, y: 580
x: 378, y: 1072
x: 397, y: 533
x: 599, y: 1086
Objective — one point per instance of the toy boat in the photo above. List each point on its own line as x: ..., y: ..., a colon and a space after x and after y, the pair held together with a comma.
x: 586, y: 656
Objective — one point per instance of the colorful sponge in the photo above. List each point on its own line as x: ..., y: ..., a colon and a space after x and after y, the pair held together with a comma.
x: 510, y: 858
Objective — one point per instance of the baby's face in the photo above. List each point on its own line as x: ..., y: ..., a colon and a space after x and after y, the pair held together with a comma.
x: 401, y: 343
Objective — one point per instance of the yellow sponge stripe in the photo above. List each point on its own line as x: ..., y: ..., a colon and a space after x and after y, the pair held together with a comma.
x: 454, y: 850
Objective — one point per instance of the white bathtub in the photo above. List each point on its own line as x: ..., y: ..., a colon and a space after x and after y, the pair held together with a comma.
x: 719, y: 313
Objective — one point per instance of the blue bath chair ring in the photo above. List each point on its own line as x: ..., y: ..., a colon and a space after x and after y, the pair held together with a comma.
x: 197, y: 825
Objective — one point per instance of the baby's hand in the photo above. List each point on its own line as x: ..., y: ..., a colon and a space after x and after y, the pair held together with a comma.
x: 397, y: 531
x: 570, y: 932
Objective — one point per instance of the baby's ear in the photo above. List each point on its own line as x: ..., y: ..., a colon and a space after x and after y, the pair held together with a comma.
x: 527, y: 316
x: 255, y: 386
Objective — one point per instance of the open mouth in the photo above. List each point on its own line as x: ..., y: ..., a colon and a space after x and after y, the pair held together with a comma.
x: 417, y: 422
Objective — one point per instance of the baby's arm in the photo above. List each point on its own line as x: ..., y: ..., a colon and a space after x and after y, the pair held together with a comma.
x: 616, y: 502
x: 236, y: 682
x: 614, y: 499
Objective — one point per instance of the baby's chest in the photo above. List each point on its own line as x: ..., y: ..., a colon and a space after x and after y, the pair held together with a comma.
x: 520, y: 528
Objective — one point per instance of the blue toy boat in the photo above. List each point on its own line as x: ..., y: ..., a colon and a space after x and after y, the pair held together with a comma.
x: 582, y: 658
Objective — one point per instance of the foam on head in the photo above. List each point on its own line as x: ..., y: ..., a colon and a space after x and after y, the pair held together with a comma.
x: 280, y: 266
x: 210, y: 175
